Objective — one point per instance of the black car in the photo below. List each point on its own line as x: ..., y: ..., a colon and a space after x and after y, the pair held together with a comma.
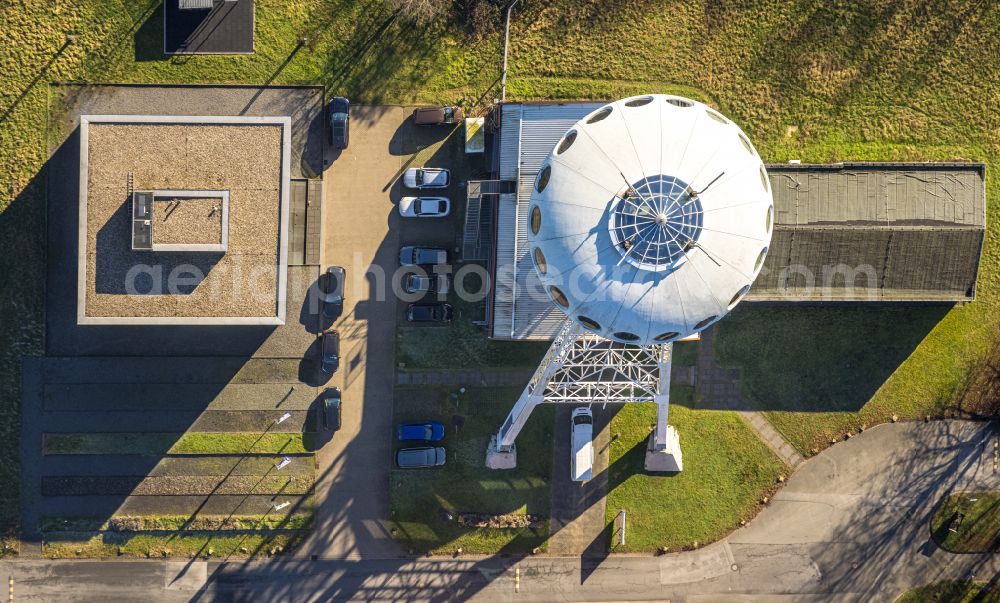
x: 331, y: 286
x: 429, y: 313
x: 331, y: 352
x: 340, y: 122
x: 329, y: 410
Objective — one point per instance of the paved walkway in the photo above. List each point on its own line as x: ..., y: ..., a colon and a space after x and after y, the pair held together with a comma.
x: 511, y: 378
x: 361, y: 233
x: 577, y: 510
x: 850, y: 525
x: 719, y: 387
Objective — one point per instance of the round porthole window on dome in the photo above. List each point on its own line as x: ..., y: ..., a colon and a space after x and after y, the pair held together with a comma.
x: 716, y: 116
x: 543, y: 178
x: 626, y: 336
x: 558, y: 296
x: 760, y: 259
x: 590, y: 323
x: 763, y: 179
x: 704, y: 323
x: 536, y: 219
x: 638, y: 102
x: 566, y: 142
x: 540, y: 261
x: 739, y: 295
x: 666, y: 336
x: 600, y: 115
x: 746, y: 143
x: 767, y: 218
x: 680, y: 102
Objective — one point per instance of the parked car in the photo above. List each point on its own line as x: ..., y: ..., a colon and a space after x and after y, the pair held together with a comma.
x: 439, y: 312
x: 424, y: 207
x: 426, y: 178
x: 416, y: 458
x: 437, y: 116
x: 582, y: 435
x: 331, y: 286
x: 328, y: 415
x: 426, y: 283
x: 422, y: 256
x: 431, y: 431
x: 340, y: 122
x: 331, y: 352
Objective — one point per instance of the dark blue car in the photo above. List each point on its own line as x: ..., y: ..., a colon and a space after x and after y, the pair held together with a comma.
x: 431, y: 431
x: 340, y: 122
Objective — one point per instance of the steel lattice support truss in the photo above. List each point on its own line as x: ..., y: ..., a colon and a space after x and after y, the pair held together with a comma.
x: 583, y: 368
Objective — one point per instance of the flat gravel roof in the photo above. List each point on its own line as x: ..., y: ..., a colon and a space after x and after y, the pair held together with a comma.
x: 246, y: 156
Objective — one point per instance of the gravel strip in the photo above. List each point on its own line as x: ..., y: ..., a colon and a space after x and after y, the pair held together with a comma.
x: 116, y: 465
x: 65, y: 506
x: 190, y: 422
x: 175, y: 485
x: 143, y: 397
x: 167, y: 370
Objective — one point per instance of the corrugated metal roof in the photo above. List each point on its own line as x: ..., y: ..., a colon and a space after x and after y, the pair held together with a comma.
x: 878, y: 264
x: 527, y: 135
x: 503, y: 282
x: 919, y: 227
x: 879, y: 194
x: 510, y: 141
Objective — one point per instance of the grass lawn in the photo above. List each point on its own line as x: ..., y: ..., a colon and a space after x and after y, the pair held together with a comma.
x: 685, y: 353
x: 462, y: 345
x: 727, y: 469
x: 951, y: 591
x: 157, y: 444
x: 171, y: 536
x: 818, y: 372
x: 980, y: 528
x: 421, y: 498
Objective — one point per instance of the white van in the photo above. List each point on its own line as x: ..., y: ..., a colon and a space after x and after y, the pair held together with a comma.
x: 582, y: 441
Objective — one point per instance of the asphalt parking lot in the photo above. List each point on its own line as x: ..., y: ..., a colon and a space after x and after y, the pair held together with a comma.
x: 363, y: 233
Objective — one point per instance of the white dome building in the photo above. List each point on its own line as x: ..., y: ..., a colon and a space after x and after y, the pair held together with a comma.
x: 650, y: 219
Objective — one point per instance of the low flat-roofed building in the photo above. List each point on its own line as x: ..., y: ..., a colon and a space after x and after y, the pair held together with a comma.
x: 183, y: 219
x: 846, y: 232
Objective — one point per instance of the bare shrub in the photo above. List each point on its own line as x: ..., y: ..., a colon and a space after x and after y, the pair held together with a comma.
x: 421, y: 11
x: 980, y: 395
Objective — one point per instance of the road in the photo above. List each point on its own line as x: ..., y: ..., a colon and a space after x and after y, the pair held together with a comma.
x: 850, y: 525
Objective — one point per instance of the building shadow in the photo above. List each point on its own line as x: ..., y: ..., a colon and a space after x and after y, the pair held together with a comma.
x: 814, y: 358
x: 148, y: 37
x: 113, y: 413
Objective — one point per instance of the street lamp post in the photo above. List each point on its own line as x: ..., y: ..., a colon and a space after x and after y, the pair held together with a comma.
x: 506, y: 43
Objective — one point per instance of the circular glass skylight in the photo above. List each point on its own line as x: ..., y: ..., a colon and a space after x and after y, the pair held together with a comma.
x: 655, y: 221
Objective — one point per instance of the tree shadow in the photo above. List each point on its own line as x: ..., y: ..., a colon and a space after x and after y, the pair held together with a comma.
x: 918, y: 464
x: 829, y: 56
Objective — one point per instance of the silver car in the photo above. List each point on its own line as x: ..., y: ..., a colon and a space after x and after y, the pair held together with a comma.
x: 426, y: 178
x: 426, y: 283
x: 424, y: 207
x: 416, y: 458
